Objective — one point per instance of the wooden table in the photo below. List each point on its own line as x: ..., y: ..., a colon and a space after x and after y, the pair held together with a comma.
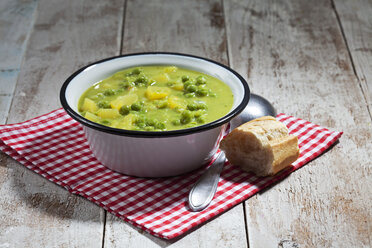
x: 311, y: 59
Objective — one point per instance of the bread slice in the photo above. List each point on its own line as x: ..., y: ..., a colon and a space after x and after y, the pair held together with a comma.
x: 262, y: 146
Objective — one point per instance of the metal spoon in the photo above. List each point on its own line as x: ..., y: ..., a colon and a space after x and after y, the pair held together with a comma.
x: 204, y: 189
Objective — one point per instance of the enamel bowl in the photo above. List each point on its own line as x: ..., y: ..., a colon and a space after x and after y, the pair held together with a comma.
x: 145, y: 153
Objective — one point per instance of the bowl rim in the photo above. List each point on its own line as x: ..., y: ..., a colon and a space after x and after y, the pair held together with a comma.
x: 154, y: 134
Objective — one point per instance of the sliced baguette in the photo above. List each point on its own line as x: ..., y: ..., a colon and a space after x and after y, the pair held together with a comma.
x: 262, y: 146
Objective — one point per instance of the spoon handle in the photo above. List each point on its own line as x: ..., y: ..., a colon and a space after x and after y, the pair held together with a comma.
x: 204, y: 189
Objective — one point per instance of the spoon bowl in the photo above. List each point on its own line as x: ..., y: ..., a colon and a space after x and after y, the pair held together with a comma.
x: 257, y: 107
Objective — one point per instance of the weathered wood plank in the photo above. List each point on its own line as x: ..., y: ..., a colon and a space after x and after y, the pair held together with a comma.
x: 16, y: 18
x: 356, y: 22
x: 293, y: 53
x: 66, y: 35
x: 226, y: 230
x: 8, y: 79
x: 72, y: 35
x: 194, y: 27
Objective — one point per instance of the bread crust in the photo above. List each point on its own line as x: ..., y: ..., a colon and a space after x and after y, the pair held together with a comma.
x: 262, y: 146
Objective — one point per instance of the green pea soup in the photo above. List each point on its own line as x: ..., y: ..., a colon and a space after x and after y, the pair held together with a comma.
x: 156, y: 98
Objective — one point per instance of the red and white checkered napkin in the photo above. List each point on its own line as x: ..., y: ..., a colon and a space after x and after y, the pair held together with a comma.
x: 54, y: 146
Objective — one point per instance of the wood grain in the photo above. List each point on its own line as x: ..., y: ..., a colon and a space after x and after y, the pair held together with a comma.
x: 356, y: 22
x: 16, y: 19
x: 65, y: 36
x: 312, y: 59
x: 293, y: 53
x: 226, y: 230
x: 194, y: 27
x: 63, y: 40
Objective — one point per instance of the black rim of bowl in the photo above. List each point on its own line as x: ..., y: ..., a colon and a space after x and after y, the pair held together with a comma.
x: 154, y: 134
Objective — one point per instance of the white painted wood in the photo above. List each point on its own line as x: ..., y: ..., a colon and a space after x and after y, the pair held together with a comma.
x: 293, y: 53
x: 356, y: 21
x: 37, y: 213
x: 226, y: 230
x: 194, y: 27
x: 16, y: 19
x: 66, y: 35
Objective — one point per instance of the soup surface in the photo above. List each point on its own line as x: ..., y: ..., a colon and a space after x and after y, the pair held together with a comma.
x: 156, y: 98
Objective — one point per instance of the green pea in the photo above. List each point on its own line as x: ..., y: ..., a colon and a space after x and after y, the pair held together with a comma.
x: 202, y: 92
x: 201, y: 80
x: 189, y: 95
x: 150, y: 122
x: 100, y: 95
x: 201, y: 119
x: 126, y: 85
x: 105, y: 122
x: 141, y: 80
x: 141, y: 125
x: 202, y: 105
x: 149, y: 128
x: 140, y: 119
x: 192, y: 107
x: 161, y: 104
x: 176, y: 122
x: 191, y: 88
x: 104, y: 104
x: 188, y: 83
x: 125, y: 109
x: 185, y: 78
x: 136, y: 106
x: 136, y: 71
x: 179, y: 109
x: 199, y: 113
x: 160, y: 125
x: 109, y: 92
x: 186, y: 117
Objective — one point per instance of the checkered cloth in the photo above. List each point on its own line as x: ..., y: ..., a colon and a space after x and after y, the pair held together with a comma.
x: 54, y: 146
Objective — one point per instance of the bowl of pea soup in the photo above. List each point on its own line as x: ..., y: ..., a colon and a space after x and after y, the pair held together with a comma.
x: 154, y: 114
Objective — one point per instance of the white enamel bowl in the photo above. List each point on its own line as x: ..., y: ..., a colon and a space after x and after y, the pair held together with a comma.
x: 152, y: 154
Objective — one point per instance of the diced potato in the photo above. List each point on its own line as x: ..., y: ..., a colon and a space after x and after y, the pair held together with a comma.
x: 108, y: 113
x: 123, y: 100
x: 176, y: 102
x: 155, y: 92
x: 89, y: 105
x: 91, y: 117
x: 127, y: 122
x: 161, y: 78
x: 170, y: 69
x: 115, y: 123
x: 178, y: 86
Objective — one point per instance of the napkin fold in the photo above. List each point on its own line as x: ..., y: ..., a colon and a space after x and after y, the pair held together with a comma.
x: 54, y: 146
